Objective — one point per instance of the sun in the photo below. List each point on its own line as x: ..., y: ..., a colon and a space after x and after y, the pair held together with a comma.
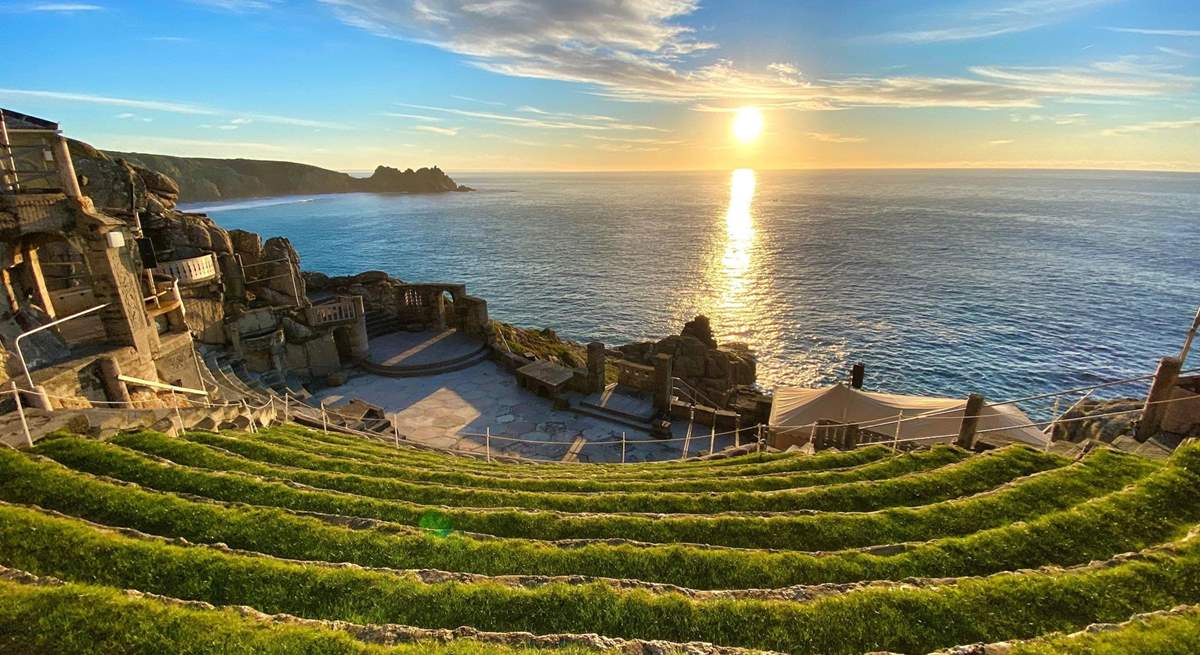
x: 747, y: 124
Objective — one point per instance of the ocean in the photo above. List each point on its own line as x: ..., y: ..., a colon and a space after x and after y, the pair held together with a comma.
x: 942, y: 282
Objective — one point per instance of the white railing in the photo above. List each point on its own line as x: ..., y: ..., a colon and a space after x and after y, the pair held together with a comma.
x: 342, y: 309
x: 192, y: 270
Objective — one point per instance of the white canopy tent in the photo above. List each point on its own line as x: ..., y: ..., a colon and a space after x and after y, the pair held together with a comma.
x: 795, y: 410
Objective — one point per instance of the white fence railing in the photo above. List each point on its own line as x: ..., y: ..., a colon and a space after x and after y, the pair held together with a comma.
x: 342, y: 309
x: 192, y: 270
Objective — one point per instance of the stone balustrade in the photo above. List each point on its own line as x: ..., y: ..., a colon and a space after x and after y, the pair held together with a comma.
x: 635, y: 376
x: 192, y: 270
x: 341, y: 310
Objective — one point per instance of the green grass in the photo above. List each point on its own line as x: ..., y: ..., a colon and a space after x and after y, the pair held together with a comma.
x: 79, y: 619
x: 965, y: 477
x: 752, y: 464
x: 1146, y: 513
x: 294, y: 455
x: 903, y: 618
x: 1102, y: 472
x: 985, y: 470
x: 299, y: 454
x: 1175, y: 634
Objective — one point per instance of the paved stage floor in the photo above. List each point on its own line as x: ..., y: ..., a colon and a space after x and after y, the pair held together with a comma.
x: 453, y: 410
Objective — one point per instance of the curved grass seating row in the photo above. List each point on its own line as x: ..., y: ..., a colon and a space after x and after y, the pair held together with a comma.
x: 973, y: 475
x: 1165, y: 633
x: 338, y: 445
x: 897, y: 618
x: 1102, y: 472
x: 1149, y: 512
x: 249, y: 446
x: 89, y: 620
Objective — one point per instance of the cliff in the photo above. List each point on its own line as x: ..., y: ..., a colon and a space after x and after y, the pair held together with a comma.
x: 202, y: 179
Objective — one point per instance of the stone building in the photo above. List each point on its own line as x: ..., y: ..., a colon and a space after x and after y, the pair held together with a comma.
x: 108, y: 288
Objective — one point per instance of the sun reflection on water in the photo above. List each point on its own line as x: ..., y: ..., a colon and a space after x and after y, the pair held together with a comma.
x: 739, y: 241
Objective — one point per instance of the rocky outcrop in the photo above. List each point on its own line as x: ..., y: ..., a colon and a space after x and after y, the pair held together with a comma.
x: 714, y: 371
x: 196, y: 179
x: 377, y: 288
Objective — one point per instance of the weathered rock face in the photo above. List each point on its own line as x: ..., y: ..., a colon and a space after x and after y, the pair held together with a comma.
x: 696, y: 359
x: 109, y: 182
x: 377, y: 288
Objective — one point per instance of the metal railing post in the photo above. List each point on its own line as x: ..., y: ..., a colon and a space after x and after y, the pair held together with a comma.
x: 896, y: 435
x: 487, y: 443
x: 17, y: 341
x: 396, y: 429
x: 178, y: 416
x: 324, y: 421
x: 622, y: 447
x: 21, y: 412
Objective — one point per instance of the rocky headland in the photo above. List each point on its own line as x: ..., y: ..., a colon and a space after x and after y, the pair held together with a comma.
x: 201, y: 179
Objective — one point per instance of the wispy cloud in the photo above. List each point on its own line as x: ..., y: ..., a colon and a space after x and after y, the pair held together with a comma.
x: 1152, y: 126
x: 416, y: 117
x: 149, y: 143
x: 830, y: 137
x: 634, y: 51
x: 980, y: 20
x: 66, y: 96
x: 635, y: 140
x: 549, y: 123
x: 164, y: 106
x: 58, y: 7
x: 445, y: 131
x: 238, y: 6
x: 491, y: 103
x: 134, y: 117
x: 1156, y: 32
x: 1000, y: 142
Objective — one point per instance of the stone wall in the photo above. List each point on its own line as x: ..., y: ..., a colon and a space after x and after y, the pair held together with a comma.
x: 714, y: 373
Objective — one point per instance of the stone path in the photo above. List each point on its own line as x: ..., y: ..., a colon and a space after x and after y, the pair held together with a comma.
x: 453, y: 410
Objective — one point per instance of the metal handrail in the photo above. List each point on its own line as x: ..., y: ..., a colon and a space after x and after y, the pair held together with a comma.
x: 17, y: 341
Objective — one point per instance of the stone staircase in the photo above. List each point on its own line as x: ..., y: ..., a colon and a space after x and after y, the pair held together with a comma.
x: 617, y: 405
x: 433, y: 368
x: 379, y: 323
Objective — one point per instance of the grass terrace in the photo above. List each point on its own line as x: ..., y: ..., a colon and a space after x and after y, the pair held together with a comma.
x: 292, y: 540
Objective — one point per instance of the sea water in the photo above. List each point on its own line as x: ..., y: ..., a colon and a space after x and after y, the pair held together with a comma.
x: 1008, y: 283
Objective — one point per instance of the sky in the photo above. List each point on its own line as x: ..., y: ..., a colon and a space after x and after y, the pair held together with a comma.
x: 618, y: 84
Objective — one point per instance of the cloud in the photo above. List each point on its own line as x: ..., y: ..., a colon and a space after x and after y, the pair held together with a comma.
x: 1152, y: 126
x: 167, y: 107
x: 829, y: 137
x: 150, y: 105
x: 1175, y: 52
x: 978, y: 20
x: 635, y: 140
x: 63, y: 7
x: 492, y: 103
x: 445, y: 131
x: 134, y: 117
x: 238, y: 6
x: 417, y: 117
x: 1153, y: 32
x: 634, y: 51
x: 526, y: 121
x: 1000, y: 142
x: 142, y: 143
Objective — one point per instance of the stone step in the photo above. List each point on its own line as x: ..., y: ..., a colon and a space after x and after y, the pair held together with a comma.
x: 422, y: 370
x: 612, y: 417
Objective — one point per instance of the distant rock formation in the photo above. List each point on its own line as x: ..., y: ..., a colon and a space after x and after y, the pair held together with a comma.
x: 201, y: 179
x: 715, y: 372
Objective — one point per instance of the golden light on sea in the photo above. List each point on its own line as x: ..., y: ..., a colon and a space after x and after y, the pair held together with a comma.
x: 747, y: 124
x: 739, y: 234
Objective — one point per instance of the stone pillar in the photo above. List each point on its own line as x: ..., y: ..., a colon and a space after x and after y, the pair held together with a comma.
x: 439, y: 311
x: 34, y: 264
x: 357, y: 340
x: 595, y: 366
x: 1155, y: 409
x: 66, y: 169
x: 663, y: 382
x: 856, y: 375
x: 970, y: 422
x: 115, y: 281
x: 110, y: 371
